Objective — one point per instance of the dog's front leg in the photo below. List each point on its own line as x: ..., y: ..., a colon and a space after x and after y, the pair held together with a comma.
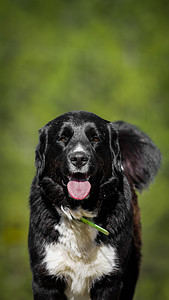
x: 51, y: 296
x: 107, y: 288
x: 44, y: 293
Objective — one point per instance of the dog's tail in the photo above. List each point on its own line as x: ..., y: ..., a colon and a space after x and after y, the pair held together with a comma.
x: 141, y: 158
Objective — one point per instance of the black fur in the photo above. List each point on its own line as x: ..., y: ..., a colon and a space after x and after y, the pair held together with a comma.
x: 119, y: 159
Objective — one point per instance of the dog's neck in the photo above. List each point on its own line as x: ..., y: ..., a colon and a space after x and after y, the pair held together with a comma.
x: 76, y: 214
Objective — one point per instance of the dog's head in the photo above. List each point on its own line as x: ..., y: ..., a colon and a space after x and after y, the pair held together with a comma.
x: 80, y: 151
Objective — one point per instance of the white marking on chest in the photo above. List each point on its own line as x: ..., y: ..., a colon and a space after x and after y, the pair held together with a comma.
x: 78, y: 258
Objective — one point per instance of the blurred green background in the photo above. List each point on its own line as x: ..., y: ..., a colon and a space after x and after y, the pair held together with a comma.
x: 107, y: 57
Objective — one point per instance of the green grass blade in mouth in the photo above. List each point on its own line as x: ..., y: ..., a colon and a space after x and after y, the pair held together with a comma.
x: 86, y: 221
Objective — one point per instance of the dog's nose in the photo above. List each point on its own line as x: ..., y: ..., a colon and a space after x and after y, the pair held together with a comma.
x: 79, y: 159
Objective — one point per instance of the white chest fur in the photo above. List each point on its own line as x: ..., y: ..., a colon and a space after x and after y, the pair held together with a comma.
x: 78, y: 258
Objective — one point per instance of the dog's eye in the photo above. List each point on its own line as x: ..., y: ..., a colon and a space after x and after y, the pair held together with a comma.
x: 63, y: 139
x: 94, y: 139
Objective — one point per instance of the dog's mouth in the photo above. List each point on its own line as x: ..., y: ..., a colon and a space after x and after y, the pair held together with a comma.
x: 78, y: 186
x: 78, y: 190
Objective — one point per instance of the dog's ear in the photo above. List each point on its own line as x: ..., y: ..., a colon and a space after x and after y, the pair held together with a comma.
x: 116, y: 161
x: 41, y: 150
x: 140, y: 157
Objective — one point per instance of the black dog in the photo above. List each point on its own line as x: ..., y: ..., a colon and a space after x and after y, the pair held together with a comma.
x: 88, y: 167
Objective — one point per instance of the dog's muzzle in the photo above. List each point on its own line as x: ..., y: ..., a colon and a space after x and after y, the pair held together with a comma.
x: 78, y: 159
x: 78, y: 186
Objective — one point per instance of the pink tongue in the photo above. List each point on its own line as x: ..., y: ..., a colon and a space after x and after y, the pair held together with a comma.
x: 78, y: 189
